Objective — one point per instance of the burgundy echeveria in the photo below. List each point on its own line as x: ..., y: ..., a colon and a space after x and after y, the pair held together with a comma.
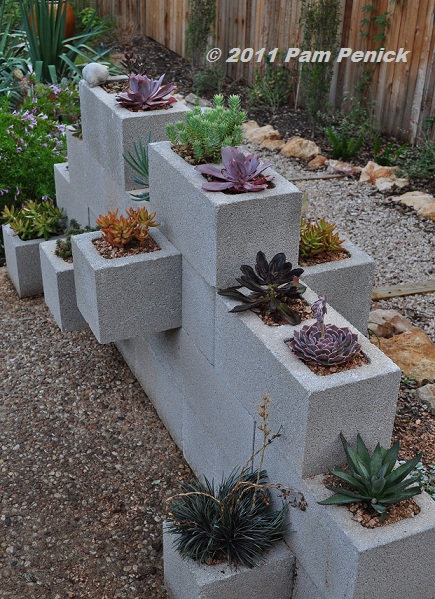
x: 146, y: 93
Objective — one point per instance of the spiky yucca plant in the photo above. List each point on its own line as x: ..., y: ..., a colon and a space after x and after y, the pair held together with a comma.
x: 373, y: 478
x: 206, y: 132
x: 272, y: 283
x: 318, y: 237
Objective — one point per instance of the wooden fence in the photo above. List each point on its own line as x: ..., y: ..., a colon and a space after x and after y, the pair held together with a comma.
x: 403, y: 92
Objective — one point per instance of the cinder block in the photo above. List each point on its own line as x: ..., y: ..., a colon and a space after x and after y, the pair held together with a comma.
x: 198, y: 310
x: 126, y: 297
x: 110, y: 130
x: 253, y: 359
x: 348, y: 284
x: 59, y: 289
x: 348, y: 561
x: 23, y: 263
x: 271, y: 578
x: 218, y: 232
x: 303, y: 585
x: 67, y: 196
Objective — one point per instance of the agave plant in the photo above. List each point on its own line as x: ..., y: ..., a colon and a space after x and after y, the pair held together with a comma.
x: 318, y: 237
x: 373, y: 478
x: 272, y: 283
x: 240, y: 173
x: 146, y: 93
x: 324, y: 344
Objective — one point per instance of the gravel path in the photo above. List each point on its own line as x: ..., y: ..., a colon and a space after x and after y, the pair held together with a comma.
x: 85, y: 462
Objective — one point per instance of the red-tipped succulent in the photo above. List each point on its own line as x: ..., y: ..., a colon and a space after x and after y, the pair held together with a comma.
x: 324, y: 344
x: 240, y: 173
x: 146, y: 93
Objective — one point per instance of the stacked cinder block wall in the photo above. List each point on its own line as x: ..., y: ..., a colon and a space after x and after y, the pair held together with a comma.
x: 206, y: 377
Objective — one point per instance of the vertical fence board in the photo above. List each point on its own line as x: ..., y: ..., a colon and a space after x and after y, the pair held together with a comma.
x: 403, y: 91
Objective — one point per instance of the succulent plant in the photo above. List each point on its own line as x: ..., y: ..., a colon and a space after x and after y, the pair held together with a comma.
x: 324, y: 344
x: 134, y: 63
x: 240, y: 173
x: 63, y: 246
x: 272, y: 283
x: 318, y: 238
x: 373, y: 478
x: 119, y: 231
x: 206, y: 132
x: 146, y: 93
x: 35, y: 220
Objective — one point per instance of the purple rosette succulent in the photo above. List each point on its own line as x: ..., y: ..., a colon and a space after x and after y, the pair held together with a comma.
x: 239, y: 174
x: 324, y: 344
x: 146, y: 93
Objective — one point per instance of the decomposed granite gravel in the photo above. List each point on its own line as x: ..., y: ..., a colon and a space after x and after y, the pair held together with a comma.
x: 85, y: 465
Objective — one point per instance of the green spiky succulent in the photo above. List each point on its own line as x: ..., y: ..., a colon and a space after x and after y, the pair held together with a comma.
x: 318, y: 237
x: 206, y: 132
x: 35, y: 220
x: 63, y: 246
x: 373, y: 478
x: 272, y: 283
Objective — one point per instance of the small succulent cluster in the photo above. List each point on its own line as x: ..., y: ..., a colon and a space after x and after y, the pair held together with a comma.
x: 63, y: 246
x: 272, y: 284
x: 119, y: 231
x: 146, y: 93
x: 239, y: 174
x: 134, y: 63
x: 318, y: 238
x: 35, y: 220
x: 374, y: 478
x: 324, y: 344
x: 206, y: 132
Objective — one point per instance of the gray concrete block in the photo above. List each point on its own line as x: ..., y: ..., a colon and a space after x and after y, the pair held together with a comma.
x: 67, y: 197
x: 126, y: 297
x: 303, y: 585
x: 218, y: 232
x: 59, y: 289
x: 312, y: 410
x: 198, y: 310
x: 23, y: 263
x: 111, y: 130
x: 348, y: 284
x: 347, y: 561
x: 185, y: 579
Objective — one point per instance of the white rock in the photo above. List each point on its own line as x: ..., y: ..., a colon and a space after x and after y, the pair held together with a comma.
x: 95, y: 73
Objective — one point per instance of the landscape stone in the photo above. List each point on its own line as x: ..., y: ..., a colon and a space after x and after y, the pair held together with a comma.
x: 273, y: 144
x: 297, y: 147
x: 413, y: 352
x: 383, y: 177
x: 318, y: 162
x: 260, y: 134
x: 343, y: 168
x: 387, y: 323
x: 423, y: 203
x: 426, y: 395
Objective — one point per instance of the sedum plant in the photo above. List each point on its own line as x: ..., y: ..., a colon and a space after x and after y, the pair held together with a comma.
x: 318, y: 237
x: 63, y: 246
x: 271, y: 284
x: 324, y: 344
x: 374, y: 478
x: 240, y: 173
x: 206, y: 132
x: 146, y: 93
x: 119, y: 231
x: 232, y: 520
x: 35, y: 220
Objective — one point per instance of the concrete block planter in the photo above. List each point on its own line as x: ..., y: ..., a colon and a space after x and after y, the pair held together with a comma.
x: 110, y: 130
x: 311, y: 409
x: 73, y: 204
x: 185, y: 579
x: 127, y: 297
x: 23, y: 263
x: 59, y: 289
x: 345, y: 560
x: 348, y: 284
x: 218, y: 232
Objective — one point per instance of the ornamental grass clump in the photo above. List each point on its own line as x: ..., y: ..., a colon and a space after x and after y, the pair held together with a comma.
x: 318, y: 239
x: 272, y: 284
x: 35, y: 220
x: 232, y: 521
x: 207, y: 131
x: 374, y: 479
x: 147, y: 94
x: 324, y: 344
x: 239, y: 174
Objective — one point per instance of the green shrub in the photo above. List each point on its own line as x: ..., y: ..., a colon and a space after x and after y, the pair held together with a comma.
x: 271, y: 86
x: 343, y: 146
